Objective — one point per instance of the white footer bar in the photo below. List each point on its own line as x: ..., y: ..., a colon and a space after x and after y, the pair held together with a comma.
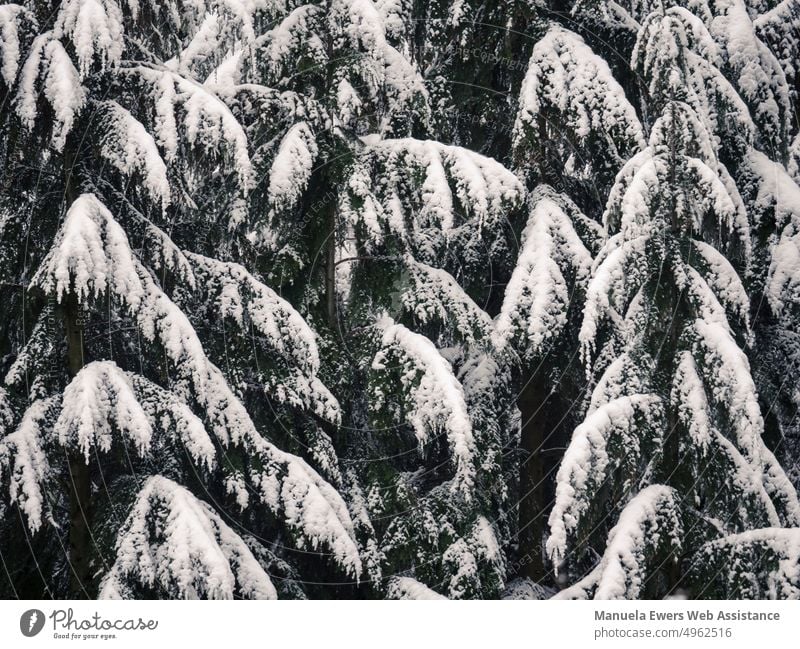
x: 401, y: 625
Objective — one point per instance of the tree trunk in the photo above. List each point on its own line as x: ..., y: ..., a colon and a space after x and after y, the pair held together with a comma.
x: 665, y: 363
x: 531, y: 403
x: 330, y: 271
x: 329, y: 182
x: 80, y: 478
x: 80, y: 486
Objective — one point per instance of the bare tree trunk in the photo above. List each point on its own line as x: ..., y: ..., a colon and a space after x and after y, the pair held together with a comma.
x: 330, y: 271
x: 80, y: 486
x: 80, y: 478
x: 531, y: 402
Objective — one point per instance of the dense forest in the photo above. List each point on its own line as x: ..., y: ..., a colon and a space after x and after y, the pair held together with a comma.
x: 400, y: 299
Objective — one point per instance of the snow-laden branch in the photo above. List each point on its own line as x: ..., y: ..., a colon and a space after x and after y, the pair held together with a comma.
x: 433, y: 295
x: 756, y: 564
x: 291, y: 169
x: 25, y: 463
x: 410, y: 588
x: 433, y: 399
x: 49, y: 64
x: 239, y: 296
x: 484, y: 188
x: 648, y: 534
x: 174, y: 543
x: 572, y: 90
x: 538, y: 295
x: 618, y: 435
x: 127, y: 145
x: 13, y: 18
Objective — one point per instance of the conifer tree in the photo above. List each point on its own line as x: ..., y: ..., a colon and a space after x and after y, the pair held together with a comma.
x: 109, y: 134
x: 674, y: 405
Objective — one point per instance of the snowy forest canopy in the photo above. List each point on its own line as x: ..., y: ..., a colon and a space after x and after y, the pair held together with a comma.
x: 400, y: 299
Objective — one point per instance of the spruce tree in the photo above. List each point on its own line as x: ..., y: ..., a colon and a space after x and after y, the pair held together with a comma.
x: 674, y: 406
x: 121, y: 156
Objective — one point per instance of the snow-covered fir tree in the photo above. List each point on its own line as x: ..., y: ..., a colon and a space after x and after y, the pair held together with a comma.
x: 673, y: 439
x: 135, y: 366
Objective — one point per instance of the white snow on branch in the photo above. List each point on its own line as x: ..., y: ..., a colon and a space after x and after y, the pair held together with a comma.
x: 205, y: 120
x: 6, y: 413
x: 311, y: 505
x: 779, y: 28
x: 39, y: 348
x: 358, y: 27
x: 681, y: 127
x: 50, y: 64
x: 359, y: 207
x: 726, y: 371
x: 89, y: 255
x: 689, y: 396
x: 238, y: 293
x: 175, y: 542
x: 175, y: 419
x: 676, y: 57
x: 434, y: 295
x: 702, y: 193
x: 348, y: 102
x: 624, y: 375
x: 484, y: 187
x: 649, y: 525
x: 745, y: 482
x: 587, y: 461
x: 538, y: 295
x: 219, y: 24
x: 723, y: 280
x: 612, y: 215
x: 291, y: 37
x: 11, y: 16
x: 291, y: 169
x: 747, y: 485
x: 462, y: 563
x: 781, y: 490
x: 95, y: 29
x: 128, y: 146
x: 102, y: 400
x: 783, y: 287
x: 433, y: 396
x: 160, y: 252
x: 203, y: 44
x: 615, y: 276
x: 227, y: 74
x: 409, y: 588
x: 711, y: 195
x: 210, y: 122
x: 242, y: 298
x: 735, y: 559
x: 699, y: 294
x: 23, y: 458
x: 755, y: 71
x: 583, y: 589
x: 565, y: 76
x: 778, y: 195
x: 96, y: 403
